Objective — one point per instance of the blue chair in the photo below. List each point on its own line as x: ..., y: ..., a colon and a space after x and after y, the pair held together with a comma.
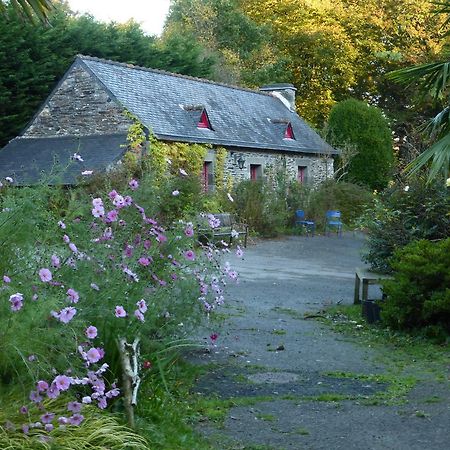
x: 309, y: 225
x: 333, y: 221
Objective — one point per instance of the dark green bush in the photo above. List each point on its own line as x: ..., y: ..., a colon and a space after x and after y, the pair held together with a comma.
x: 419, y: 294
x: 401, y: 214
x: 348, y: 198
x: 354, y: 123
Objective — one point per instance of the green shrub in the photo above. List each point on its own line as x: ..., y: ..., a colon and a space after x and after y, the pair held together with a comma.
x: 261, y: 206
x: 348, y: 198
x: 401, y: 214
x: 363, y: 127
x: 419, y: 294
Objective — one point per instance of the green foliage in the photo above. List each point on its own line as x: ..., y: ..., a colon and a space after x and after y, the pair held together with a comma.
x: 32, y: 58
x: 401, y: 214
x: 355, y: 123
x: 419, y: 294
x: 348, y: 198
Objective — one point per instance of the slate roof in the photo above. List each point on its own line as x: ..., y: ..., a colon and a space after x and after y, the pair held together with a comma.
x: 239, y: 117
x: 29, y: 160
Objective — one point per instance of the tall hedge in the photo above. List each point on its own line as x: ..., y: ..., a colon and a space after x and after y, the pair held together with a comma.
x: 363, y: 127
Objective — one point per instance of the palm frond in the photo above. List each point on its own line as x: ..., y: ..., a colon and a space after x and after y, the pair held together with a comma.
x: 433, y: 78
x: 31, y: 9
x: 439, y: 124
x: 438, y: 154
x: 443, y: 7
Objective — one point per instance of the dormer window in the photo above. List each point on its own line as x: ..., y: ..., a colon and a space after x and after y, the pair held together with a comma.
x: 204, y: 120
x: 289, y: 132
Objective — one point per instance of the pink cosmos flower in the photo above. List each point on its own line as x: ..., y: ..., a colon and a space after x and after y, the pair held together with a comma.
x: 16, y: 301
x: 47, y: 417
x: 45, y: 275
x: 113, y: 194
x: 62, y: 382
x: 76, y: 419
x: 161, y: 238
x: 56, y: 262
x: 144, y: 261
x: 133, y: 184
x: 139, y: 316
x: 67, y: 314
x: 127, y: 201
x: 118, y: 201
x: 112, y: 216
x: 74, y: 407
x: 73, y: 295
x: 176, y: 192
x: 91, y: 332
x: 98, y: 211
x: 189, y: 231
x: 6, y: 279
x: 97, y: 201
x: 142, y: 305
x: 41, y: 386
x: 93, y: 355
x: 61, y: 225
x: 189, y: 255
x: 120, y: 311
x: 73, y: 247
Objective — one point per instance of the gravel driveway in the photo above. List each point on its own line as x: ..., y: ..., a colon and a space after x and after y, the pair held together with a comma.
x: 290, y: 366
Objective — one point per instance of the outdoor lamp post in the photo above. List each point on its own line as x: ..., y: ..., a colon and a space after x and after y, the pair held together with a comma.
x: 241, y: 162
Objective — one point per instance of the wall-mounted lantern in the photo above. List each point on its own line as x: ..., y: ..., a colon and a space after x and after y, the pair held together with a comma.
x: 241, y: 162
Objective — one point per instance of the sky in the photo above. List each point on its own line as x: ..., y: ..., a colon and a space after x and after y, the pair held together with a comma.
x: 149, y: 13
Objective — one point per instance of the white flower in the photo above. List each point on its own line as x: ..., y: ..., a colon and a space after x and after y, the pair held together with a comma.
x: 77, y: 157
x: 406, y: 188
x: 183, y: 172
x: 448, y: 182
x: 176, y: 192
x: 230, y: 197
x: 9, y: 180
x: 87, y: 172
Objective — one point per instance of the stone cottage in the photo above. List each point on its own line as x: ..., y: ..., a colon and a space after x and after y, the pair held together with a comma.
x: 84, y: 119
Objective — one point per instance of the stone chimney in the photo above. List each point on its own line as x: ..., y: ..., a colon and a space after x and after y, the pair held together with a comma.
x: 285, y: 92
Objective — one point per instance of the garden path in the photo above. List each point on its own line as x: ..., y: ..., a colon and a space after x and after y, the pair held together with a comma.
x: 284, y: 372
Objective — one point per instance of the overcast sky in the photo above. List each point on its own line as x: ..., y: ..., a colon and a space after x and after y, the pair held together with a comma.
x: 149, y: 13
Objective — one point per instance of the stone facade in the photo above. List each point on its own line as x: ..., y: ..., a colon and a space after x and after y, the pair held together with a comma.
x: 317, y: 168
x: 80, y: 107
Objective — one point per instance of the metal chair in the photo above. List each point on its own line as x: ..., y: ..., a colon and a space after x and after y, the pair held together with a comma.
x: 309, y: 225
x: 333, y: 220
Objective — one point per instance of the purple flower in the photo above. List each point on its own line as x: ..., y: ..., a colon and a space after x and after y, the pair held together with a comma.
x: 73, y: 247
x: 112, y: 216
x: 133, y: 184
x: 98, y: 211
x: 93, y: 355
x: 56, y: 262
x: 49, y: 427
x: 23, y: 410
x: 16, y: 301
x: 127, y: 201
x: 47, y: 417
x: 176, y: 192
x: 61, y: 225
x: 74, y: 407
x: 139, y: 316
x: 35, y: 397
x: 95, y: 287
x: 239, y: 252
x: 189, y: 255
x: 143, y: 261
x: 128, y: 251
x: 113, y: 194
x: 76, y: 419
x: 6, y: 279
x: 67, y: 314
x: 102, y: 404
x: 73, y: 295
x: 86, y: 400
x: 41, y: 386
x: 189, y: 231
x: 63, y: 420
x: 45, y: 275
x: 147, y: 244
x: 142, y: 306
x: 62, y: 382
x: 118, y: 201
x: 91, y: 332
x: 66, y: 239
x: 120, y: 311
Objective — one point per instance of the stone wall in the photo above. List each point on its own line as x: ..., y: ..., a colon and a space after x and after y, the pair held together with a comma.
x: 317, y: 167
x: 79, y: 106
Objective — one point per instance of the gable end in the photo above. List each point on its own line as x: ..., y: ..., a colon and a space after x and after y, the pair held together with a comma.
x: 78, y: 106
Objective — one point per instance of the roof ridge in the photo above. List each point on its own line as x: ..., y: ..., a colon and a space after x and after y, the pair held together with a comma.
x: 165, y: 72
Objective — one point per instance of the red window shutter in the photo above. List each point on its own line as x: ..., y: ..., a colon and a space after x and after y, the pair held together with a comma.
x: 289, y: 132
x: 204, y: 121
x: 301, y: 174
x: 205, y: 174
x: 253, y: 172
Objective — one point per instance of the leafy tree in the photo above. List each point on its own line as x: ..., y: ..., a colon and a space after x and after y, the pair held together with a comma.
x: 29, y: 8
x: 33, y: 57
x: 433, y: 80
x: 355, y: 123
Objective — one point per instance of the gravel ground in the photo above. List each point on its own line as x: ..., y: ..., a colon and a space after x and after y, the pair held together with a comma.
x: 267, y: 349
